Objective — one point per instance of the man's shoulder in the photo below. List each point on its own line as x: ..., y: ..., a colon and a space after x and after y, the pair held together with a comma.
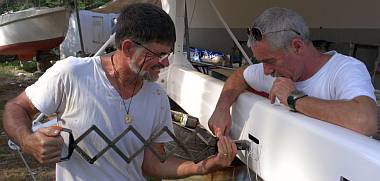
x: 75, y: 64
x: 255, y: 69
x: 339, y: 58
x: 341, y: 62
x: 258, y: 67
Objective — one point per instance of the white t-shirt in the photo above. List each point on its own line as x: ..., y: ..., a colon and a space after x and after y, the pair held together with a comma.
x: 342, y: 77
x: 78, y: 89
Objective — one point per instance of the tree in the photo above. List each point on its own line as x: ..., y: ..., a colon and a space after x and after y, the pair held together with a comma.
x: 17, y: 5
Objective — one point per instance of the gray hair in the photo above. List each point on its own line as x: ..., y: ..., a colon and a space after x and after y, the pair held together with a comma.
x: 279, y: 19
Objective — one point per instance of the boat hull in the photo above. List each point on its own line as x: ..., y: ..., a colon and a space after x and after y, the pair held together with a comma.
x: 24, y: 33
x: 289, y: 145
x: 26, y: 50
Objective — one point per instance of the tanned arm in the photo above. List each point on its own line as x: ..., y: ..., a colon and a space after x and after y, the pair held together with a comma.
x: 17, y: 118
x: 358, y: 114
x: 44, y: 145
x: 174, y: 168
x: 233, y: 87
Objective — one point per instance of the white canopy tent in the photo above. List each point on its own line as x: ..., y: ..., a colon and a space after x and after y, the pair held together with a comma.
x: 289, y: 146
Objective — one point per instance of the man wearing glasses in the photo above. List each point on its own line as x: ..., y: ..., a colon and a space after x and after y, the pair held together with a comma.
x: 330, y: 87
x: 113, y: 93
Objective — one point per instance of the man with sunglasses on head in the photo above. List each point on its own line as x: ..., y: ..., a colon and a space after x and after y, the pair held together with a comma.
x: 331, y: 87
x: 111, y: 92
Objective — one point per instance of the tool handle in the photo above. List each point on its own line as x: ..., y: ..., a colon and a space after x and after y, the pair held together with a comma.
x: 240, y: 145
x: 185, y: 120
x: 71, y: 146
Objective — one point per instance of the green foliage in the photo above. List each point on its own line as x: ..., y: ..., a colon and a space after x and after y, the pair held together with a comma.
x: 7, y: 68
x: 30, y: 66
x: 49, y: 3
x: 17, y: 5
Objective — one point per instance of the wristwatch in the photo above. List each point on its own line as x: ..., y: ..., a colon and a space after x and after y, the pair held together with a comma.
x: 293, y: 97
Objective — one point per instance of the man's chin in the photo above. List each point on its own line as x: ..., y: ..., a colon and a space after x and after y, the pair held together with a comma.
x: 150, y: 78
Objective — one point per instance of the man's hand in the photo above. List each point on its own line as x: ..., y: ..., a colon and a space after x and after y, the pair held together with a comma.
x: 233, y: 87
x: 226, y: 150
x: 220, y: 120
x: 174, y: 168
x: 226, y: 153
x: 45, y: 145
x: 281, y: 89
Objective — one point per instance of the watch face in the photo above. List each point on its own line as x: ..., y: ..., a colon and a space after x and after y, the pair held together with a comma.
x: 292, y: 98
x: 290, y: 101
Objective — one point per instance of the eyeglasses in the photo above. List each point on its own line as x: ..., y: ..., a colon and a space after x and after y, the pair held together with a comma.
x: 255, y: 34
x: 160, y: 56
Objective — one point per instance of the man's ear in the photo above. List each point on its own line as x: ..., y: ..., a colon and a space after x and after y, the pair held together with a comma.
x: 126, y: 45
x: 297, y: 45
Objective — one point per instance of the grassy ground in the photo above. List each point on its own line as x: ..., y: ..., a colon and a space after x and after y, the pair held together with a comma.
x: 13, y: 80
x: 7, y: 69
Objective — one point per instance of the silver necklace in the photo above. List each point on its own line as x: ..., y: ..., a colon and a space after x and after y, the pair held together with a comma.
x: 127, y: 118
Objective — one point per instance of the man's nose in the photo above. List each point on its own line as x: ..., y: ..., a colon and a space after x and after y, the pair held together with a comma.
x: 164, y: 62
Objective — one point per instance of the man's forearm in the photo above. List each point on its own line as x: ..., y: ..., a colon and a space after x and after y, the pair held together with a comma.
x: 17, y: 122
x: 358, y: 114
x: 232, y: 88
x: 174, y: 168
x: 17, y: 118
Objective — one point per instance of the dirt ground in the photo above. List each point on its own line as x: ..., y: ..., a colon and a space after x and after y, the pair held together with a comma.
x: 11, y: 165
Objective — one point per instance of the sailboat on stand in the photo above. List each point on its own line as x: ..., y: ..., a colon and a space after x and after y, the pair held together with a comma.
x: 25, y: 33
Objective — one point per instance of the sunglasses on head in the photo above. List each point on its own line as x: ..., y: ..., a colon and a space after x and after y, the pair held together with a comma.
x: 255, y: 34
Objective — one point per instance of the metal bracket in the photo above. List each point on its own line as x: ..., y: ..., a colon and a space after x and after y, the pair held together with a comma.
x: 112, y: 144
x: 197, y: 145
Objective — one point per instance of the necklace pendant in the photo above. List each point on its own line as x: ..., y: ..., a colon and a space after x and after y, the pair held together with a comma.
x: 128, y: 119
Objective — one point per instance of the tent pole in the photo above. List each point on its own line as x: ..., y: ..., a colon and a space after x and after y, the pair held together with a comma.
x: 230, y: 33
x: 79, y: 27
x: 105, y: 45
x: 187, y: 33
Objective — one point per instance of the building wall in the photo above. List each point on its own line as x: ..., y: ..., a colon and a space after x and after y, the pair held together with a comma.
x: 218, y: 39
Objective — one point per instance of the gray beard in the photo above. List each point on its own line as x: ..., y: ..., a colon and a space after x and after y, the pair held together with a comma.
x: 144, y: 74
